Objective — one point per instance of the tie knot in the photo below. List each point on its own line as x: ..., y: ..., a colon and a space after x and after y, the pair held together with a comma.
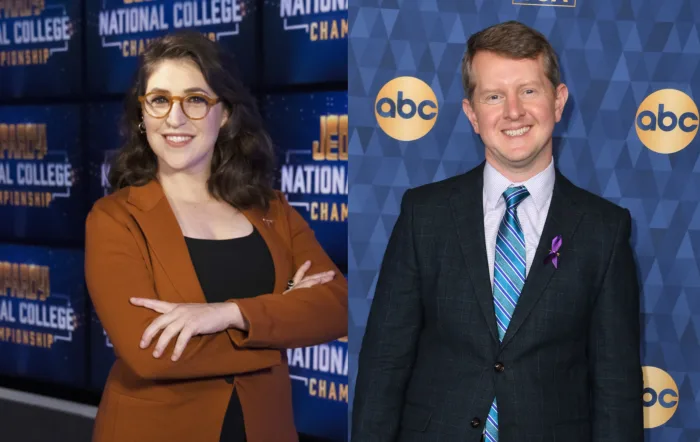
x: 515, y: 196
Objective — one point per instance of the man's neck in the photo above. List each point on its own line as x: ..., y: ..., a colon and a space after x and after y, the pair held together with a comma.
x: 520, y: 174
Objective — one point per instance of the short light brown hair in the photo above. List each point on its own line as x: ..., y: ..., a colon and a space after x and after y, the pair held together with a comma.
x: 514, y: 40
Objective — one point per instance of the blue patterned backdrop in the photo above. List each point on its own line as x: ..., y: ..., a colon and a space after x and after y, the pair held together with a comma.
x: 614, y: 54
x: 117, y: 33
x: 40, y: 48
x: 43, y: 326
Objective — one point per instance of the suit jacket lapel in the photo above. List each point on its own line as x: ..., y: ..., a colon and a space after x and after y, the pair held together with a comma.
x: 466, y: 202
x: 152, y: 211
x: 562, y: 219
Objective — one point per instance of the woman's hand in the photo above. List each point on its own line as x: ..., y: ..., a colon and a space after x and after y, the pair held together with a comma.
x: 300, y: 281
x: 186, y: 321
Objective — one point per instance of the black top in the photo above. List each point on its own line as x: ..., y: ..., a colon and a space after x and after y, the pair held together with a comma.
x: 226, y: 269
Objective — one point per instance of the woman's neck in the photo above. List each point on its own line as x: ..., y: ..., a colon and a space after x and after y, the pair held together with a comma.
x: 189, y: 188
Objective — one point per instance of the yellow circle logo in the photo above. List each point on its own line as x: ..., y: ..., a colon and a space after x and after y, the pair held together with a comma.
x: 406, y: 108
x: 667, y: 121
x: 660, y: 397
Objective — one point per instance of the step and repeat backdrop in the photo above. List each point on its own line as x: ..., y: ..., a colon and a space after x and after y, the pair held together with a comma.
x: 64, y: 67
x: 628, y: 134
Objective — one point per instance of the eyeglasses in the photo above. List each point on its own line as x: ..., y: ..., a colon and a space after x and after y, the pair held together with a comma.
x: 194, y: 106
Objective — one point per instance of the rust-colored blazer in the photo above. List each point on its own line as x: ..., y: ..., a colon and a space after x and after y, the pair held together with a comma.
x: 134, y: 247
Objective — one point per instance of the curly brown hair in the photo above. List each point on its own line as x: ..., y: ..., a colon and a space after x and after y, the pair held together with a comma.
x: 243, y: 162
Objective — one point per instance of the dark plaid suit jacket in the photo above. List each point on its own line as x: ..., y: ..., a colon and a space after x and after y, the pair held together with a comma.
x: 568, y: 369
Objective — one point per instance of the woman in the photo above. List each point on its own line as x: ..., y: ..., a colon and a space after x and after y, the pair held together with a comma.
x: 188, y: 263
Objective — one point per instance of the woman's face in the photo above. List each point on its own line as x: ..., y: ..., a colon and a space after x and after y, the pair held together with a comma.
x: 181, y: 143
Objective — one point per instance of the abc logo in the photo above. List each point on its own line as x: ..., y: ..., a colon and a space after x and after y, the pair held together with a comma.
x: 660, y: 397
x: 667, y: 121
x: 406, y: 108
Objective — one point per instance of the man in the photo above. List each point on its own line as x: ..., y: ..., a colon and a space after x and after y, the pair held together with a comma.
x: 507, y: 307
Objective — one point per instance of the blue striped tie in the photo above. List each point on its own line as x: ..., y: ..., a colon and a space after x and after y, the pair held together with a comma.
x: 508, y: 278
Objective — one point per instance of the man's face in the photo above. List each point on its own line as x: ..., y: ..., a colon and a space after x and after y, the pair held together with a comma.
x: 514, y: 109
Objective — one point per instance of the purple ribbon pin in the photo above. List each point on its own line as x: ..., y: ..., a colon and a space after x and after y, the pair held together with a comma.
x: 553, y: 256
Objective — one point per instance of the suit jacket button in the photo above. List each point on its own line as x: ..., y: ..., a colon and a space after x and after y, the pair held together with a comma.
x: 476, y: 422
x: 228, y: 379
x: 499, y: 367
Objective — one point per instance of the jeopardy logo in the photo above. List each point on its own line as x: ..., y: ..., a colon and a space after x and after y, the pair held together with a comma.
x: 321, y: 19
x: 660, y: 397
x: 406, y: 108
x: 565, y: 3
x: 323, y: 369
x: 667, y: 121
x: 108, y: 343
x: 105, y: 168
x: 322, y: 183
x: 31, y: 31
x: 132, y: 26
x: 30, y: 174
x: 29, y: 313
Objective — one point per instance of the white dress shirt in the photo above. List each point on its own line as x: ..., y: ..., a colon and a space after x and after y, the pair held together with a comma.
x: 532, y: 211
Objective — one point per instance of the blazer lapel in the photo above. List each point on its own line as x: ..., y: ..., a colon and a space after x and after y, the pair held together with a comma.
x: 562, y: 219
x: 466, y: 202
x: 152, y: 211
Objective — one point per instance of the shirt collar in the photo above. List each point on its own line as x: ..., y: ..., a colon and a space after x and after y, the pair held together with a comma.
x: 539, y: 186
